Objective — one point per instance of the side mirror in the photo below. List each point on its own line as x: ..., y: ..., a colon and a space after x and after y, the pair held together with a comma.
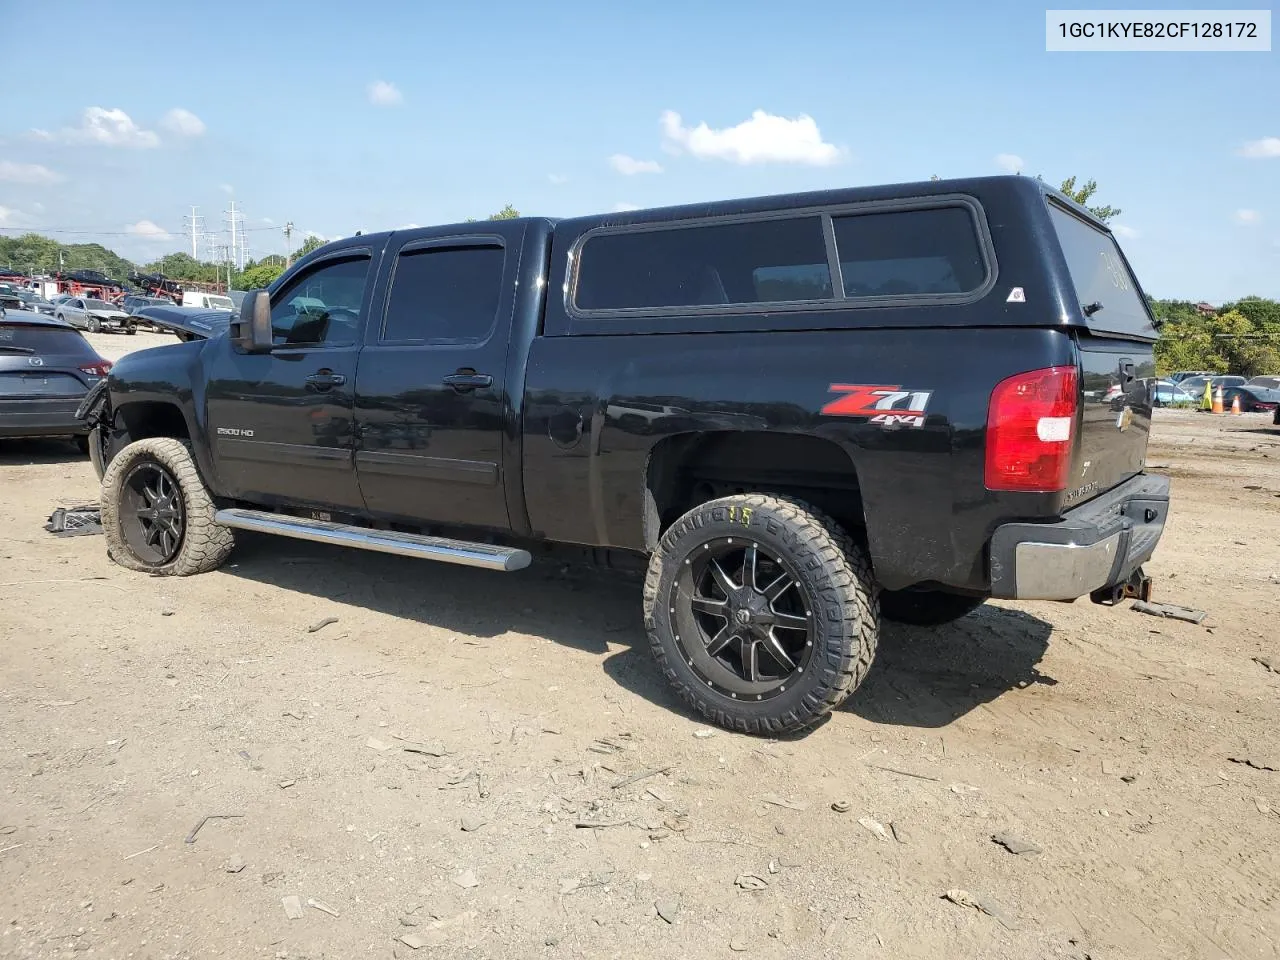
x: 251, y: 331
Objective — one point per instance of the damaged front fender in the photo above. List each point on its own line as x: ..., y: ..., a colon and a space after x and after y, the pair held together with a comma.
x: 95, y: 412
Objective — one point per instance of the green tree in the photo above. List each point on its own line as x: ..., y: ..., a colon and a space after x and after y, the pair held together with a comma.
x: 1083, y: 194
x: 506, y: 213
x: 1230, y: 340
x: 259, y: 275
x: 309, y: 243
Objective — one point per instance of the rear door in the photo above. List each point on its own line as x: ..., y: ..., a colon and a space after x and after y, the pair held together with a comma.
x: 431, y: 391
x: 1116, y: 358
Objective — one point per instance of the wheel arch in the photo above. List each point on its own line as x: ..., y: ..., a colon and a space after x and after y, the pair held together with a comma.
x: 686, y: 469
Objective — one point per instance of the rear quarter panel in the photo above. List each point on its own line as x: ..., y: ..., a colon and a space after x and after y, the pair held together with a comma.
x: 928, y: 514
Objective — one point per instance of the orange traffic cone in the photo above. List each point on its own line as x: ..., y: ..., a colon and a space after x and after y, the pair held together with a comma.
x: 1217, y: 400
x: 1235, y: 404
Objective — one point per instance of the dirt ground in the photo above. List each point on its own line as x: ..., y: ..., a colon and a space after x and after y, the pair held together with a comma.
x: 1138, y: 755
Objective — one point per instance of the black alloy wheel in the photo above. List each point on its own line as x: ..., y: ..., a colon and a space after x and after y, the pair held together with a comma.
x: 743, y: 623
x: 152, y: 513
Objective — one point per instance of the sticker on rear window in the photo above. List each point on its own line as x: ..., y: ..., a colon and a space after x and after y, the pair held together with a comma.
x: 1016, y: 295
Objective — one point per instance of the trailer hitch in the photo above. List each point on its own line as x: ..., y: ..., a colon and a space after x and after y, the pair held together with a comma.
x: 1136, y: 587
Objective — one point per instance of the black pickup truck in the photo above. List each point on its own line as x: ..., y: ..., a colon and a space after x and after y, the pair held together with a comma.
x: 801, y: 412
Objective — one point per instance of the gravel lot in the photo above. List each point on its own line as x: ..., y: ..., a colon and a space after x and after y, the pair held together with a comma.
x: 1138, y: 755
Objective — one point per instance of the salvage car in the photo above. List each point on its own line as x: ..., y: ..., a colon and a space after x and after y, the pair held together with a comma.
x: 94, y: 315
x: 889, y: 401
x: 1252, y: 399
x: 46, y: 368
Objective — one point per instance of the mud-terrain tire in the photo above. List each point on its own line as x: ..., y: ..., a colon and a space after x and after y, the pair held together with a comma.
x: 747, y: 650
x: 921, y: 608
x: 157, y: 476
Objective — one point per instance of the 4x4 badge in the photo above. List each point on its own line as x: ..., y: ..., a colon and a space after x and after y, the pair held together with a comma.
x: 885, y: 405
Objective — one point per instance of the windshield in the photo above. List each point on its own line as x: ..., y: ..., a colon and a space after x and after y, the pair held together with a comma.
x: 221, y: 303
x: 98, y: 305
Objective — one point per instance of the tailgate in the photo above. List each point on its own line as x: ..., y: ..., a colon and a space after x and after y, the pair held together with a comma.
x: 39, y: 384
x: 1115, y: 337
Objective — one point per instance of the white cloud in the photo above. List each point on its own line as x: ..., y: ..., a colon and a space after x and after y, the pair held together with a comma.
x: 1010, y: 162
x: 1247, y: 216
x: 764, y: 138
x: 109, y: 128
x: 630, y: 166
x: 10, y: 217
x: 384, y: 94
x: 268, y: 221
x: 31, y: 173
x: 1125, y: 232
x: 557, y: 178
x: 183, y: 123
x: 622, y: 206
x: 148, y: 230
x: 227, y: 188
x: 1266, y: 147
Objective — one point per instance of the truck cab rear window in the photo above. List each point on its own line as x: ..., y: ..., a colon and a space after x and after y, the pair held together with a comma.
x: 725, y: 264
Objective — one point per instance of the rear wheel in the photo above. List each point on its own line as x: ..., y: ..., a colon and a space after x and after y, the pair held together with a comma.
x: 926, y: 608
x: 157, y: 514
x: 761, y: 612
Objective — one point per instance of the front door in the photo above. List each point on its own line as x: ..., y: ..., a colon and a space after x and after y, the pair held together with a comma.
x: 430, y: 392
x: 281, y: 423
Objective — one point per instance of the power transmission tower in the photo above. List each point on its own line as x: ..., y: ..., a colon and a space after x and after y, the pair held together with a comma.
x: 288, y: 244
x: 235, y: 228
x: 195, y: 224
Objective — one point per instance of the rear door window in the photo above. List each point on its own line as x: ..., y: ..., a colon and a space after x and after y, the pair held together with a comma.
x: 1101, y: 277
x: 444, y: 295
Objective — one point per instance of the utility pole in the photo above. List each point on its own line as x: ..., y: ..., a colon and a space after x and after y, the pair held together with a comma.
x: 288, y: 245
x: 195, y: 223
x: 235, y: 221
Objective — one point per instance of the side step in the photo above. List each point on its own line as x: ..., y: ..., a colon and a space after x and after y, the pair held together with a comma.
x: 484, y: 555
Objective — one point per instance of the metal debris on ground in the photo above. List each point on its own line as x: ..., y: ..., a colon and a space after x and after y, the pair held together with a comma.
x: 1169, y: 610
x: 876, y: 828
x: 750, y: 882
x: 643, y: 774
x: 964, y: 898
x: 774, y: 800
x: 1014, y: 845
x: 292, y: 907
x: 668, y: 908
x: 321, y: 624
x: 81, y: 521
x: 842, y: 806
x: 191, y: 837
x: 899, y: 832
x: 426, y: 749
x: 321, y: 906
x: 704, y: 734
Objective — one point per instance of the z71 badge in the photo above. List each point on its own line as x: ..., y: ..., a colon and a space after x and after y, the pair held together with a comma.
x: 885, y: 405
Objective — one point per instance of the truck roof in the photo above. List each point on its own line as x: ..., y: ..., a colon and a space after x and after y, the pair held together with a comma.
x: 781, y: 201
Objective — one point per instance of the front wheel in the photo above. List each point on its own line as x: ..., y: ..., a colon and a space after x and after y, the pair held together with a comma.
x: 131, y: 329
x: 157, y: 514
x: 93, y: 324
x: 762, y: 612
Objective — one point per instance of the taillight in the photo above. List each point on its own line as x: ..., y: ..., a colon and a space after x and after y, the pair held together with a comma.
x: 1029, y: 426
x: 99, y: 369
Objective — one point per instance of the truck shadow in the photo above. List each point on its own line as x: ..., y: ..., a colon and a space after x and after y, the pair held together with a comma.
x: 921, y: 678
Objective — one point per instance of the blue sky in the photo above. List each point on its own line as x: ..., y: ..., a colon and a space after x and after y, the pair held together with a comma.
x: 559, y: 109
